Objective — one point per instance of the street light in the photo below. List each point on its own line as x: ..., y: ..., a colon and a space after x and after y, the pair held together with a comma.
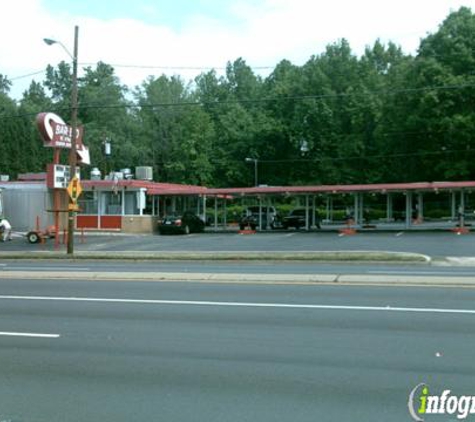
x: 49, y: 41
x: 74, y: 124
x: 304, y: 148
x: 255, y: 161
x: 107, y: 144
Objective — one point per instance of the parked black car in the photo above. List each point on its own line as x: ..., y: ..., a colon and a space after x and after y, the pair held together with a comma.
x: 296, y: 218
x: 185, y: 223
x: 250, y: 219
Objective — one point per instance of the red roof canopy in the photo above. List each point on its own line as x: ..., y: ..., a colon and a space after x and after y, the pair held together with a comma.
x: 153, y: 188
x: 174, y: 189
x: 301, y: 190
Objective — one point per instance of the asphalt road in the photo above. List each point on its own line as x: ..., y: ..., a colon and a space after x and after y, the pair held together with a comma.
x: 186, y: 352
x: 434, y: 244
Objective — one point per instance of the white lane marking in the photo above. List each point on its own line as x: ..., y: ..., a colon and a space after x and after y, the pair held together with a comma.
x: 100, y: 245
x: 242, y: 304
x: 33, y: 335
x: 57, y: 268
x: 447, y: 273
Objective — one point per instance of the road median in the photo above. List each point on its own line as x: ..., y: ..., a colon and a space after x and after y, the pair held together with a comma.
x: 316, y: 256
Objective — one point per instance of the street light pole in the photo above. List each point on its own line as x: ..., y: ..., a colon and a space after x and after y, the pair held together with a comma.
x: 74, y: 127
x: 255, y: 161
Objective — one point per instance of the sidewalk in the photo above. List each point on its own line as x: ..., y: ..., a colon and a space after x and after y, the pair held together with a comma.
x: 238, y: 278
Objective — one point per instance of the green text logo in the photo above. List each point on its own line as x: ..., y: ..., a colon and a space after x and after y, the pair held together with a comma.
x: 422, y: 403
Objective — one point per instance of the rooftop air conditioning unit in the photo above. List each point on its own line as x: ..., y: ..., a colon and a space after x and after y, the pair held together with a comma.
x: 95, y: 174
x: 144, y: 173
x: 127, y: 173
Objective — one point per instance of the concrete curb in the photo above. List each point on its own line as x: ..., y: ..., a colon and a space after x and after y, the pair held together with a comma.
x: 235, y: 278
x: 449, y: 261
x: 175, y: 276
x: 322, y: 256
x: 407, y: 280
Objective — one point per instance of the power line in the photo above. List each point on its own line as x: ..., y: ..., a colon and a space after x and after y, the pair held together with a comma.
x: 86, y: 106
x: 319, y: 160
x: 275, y: 99
x: 366, y: 157
x: 161, y: 67
x: 149, y: 67
x: 278, y: 99
x: 39, y: 72
x: 201, y: 68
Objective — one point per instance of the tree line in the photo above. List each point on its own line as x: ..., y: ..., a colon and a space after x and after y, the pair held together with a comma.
x: 381, y: 117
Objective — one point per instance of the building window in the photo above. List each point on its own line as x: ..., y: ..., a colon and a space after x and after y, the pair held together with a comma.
x: 88, y: 203
x: 113, y: 202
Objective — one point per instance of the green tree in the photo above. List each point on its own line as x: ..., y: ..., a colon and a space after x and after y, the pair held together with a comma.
x: 34, y: 101
x: 59, y: 83
x: 104, y: 111
x: 5, y: 84
x: 13, y: 158
x: 178, y: 132
x: 431, y: 116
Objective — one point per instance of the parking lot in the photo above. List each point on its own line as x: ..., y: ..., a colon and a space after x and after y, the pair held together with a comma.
x: 432, y: 243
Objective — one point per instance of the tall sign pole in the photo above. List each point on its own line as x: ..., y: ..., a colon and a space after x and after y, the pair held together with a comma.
x: 74, y: 126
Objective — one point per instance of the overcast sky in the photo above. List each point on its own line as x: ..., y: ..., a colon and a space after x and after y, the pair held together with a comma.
x: 135, y: 35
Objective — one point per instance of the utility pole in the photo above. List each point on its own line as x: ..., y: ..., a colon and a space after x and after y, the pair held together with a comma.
x: 74, y: 130
x: 74, y: 127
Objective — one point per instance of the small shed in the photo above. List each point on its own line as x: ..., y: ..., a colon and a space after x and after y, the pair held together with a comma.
x: 27, y: 204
